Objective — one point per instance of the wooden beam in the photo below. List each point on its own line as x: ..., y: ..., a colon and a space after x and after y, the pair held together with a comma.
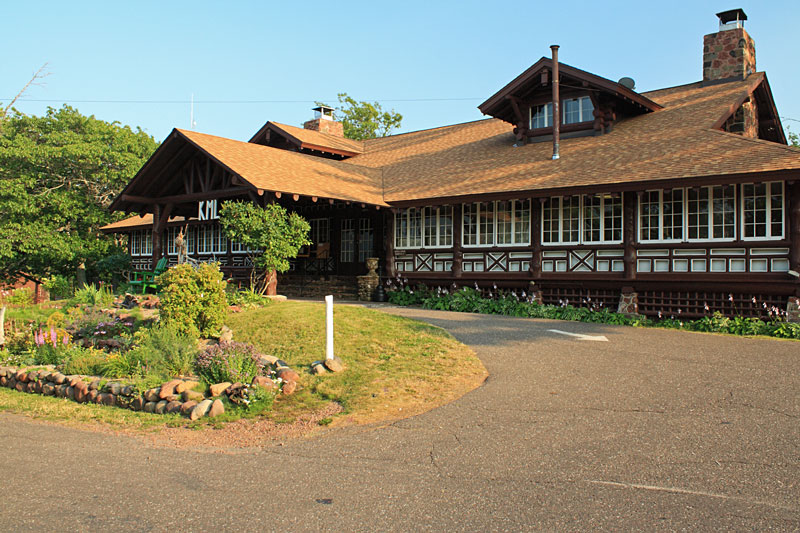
x: 277, y: 194
x: 295, y: 197
x: 181, y: 198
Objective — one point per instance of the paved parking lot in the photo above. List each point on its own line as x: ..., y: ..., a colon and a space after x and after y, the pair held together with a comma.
x: 648, y: 430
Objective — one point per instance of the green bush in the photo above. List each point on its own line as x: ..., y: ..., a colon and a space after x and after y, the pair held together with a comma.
x: 12, y: 359
x: 20, y: 297
x: 229, y: 361
x: 58, y: 286
x: 193, y: 299
x: 245, y: 297
x: 164, y: 351
x: 85, y: 361
x: 93, y: 296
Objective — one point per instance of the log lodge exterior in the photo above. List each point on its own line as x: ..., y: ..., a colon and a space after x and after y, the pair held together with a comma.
x: 679, y: 201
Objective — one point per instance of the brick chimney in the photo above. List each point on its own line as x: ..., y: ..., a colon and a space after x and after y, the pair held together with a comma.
x: 730, y: 53
x: 323, y: 122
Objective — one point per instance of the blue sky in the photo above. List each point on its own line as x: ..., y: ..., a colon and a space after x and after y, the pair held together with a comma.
x: 249, y: 62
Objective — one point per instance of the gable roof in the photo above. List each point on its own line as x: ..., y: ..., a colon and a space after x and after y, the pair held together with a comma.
x: 310, y: 139
x: 499, y: 105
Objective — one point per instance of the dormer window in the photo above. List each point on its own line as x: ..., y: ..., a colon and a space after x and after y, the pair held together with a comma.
x: 575, y: 110
x: 578, y: 110
x: 542, y: 116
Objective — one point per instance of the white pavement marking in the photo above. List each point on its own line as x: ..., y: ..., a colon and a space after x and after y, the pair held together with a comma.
x: 675, y: 490
x: 581, y: 337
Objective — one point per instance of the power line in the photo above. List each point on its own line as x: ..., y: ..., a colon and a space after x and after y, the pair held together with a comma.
x: 72, y: 101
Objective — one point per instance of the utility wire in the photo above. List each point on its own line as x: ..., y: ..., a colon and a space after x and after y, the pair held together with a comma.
x: 67, y: 101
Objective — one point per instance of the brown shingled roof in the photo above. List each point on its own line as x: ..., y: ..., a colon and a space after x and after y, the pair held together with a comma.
x: 282, y: 171
x: 675, y: 143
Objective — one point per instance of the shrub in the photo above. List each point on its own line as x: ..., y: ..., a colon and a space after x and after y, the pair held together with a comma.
x: 97, y: 328
x: 193, y: 299
x: 93, y: 296
x: 58, y: 286
x: 163, y: 350
x: 86, y: 361
x: 12, y: 359
x: 20, y: 297
x: 229, y: 361
x: 245, y: 298
x: 51, y: 346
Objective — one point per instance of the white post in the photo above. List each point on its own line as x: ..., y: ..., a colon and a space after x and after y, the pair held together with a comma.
x: 329, y: 326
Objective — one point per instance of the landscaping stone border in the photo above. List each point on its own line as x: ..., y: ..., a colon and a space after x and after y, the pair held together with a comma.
x: 176, y: 396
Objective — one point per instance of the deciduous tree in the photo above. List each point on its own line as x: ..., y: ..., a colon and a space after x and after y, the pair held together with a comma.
x: 365, y: 120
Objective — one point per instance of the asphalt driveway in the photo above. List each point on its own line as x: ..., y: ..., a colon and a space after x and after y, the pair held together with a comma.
x: 648, y: 430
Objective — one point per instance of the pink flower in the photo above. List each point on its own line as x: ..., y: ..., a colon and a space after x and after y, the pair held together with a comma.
x: 53, y: 336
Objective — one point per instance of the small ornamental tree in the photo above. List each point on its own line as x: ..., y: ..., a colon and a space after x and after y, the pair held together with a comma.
x: 193, y: 299
x: 271, y: 235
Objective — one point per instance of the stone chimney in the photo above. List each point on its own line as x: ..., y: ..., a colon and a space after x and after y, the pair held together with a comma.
x: 323, y: 122
x: 730, y: 53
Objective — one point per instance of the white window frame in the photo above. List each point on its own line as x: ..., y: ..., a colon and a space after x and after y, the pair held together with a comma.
x: 660, y: 229
x: 581, y: 220
x: 710, y: 200
x: 347, y: 243
x: 438, y: 214
x: 768, y: 221
x: 494, y: 244
x: 366, y: 239
x: 548, y: 115
x: 218, y: 241
x: 580, y: 101
x: 421, y: 214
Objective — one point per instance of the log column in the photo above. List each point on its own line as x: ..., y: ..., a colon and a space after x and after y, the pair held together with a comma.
x: 457, y: 255
x: 388, y: 240
x: 794, y: 226
x: 156, y: 235
x: 537, y: 205
x: 629, y: 233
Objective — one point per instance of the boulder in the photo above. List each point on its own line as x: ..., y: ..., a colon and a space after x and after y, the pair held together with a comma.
x: 137, y: 404
x: 149, y: 407
x: 186, y: 407
x: 218, y: 388
x: 280, y: 363
x: 37, y: 387
x: 168, y: 389
x: 173, y: 407
x: 289, y: 387
x: 30, y: 386
x: 3, y: 381
x: 334, y: 365
x: 12, y: 383
x: 123, y: 401
x: 226, y: 335
x: 33, y: 376
x: 127, y: 390
x: 201, y: 409
x: 70, y: 393
x: 61, y: 390
x: 91, y: 397
x: 106, y: 399
x: 191, y: 395
x: 186, y: 385
x: 81, y: 390
x: 74, y: 380
x: 151, y: 395
x: 22, y: 376
x: 114, y: 388
x: 59, y: 378
x: 94, y: 385
x: 318, y: 368
x: 267, y: 360
x: 287, y: 374
x: 161, y: 407
x: 264, y: 381
x: 48, y: 389
x: 216, y: 409
x: 234, y: 388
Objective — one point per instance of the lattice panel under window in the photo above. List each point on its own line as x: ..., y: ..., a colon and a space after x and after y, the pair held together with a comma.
x: 694, y: 304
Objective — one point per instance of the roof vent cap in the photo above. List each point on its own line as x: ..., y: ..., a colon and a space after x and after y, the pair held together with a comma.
x: 731, y: 19
x: 324, y: 112
x: 627, y: 82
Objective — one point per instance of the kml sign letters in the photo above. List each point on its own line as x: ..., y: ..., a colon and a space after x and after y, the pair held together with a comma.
x: 207, y: 210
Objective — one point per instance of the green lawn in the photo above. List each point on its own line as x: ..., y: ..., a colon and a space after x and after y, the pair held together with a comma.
x: 396, y: 367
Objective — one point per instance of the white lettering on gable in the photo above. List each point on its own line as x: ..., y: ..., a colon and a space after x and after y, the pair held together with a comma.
x: 207, y: 210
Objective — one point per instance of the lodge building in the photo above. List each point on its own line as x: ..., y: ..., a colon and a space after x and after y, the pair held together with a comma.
x: 679, y: 201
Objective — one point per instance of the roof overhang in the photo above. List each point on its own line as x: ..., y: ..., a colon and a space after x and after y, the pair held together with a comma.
x: 272, y: 128
x: 536, y: 81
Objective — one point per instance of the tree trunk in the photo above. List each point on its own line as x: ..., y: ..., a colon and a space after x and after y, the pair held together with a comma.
x: 80, y: 275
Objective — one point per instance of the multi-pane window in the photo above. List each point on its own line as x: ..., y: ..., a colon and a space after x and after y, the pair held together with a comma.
x: 711, y: 213
x: 211, y: 240
x: 141, y: 242
x: 505, y: 222
x: 424, y: 227
x: 762, y: 210
x: 366, y: 239
x: 320, y: 230
x: 438, y: 226
x: 347, y: 250
x: 542, y: 116
x: 661, y: 215
x: 578, y: 110
x: 587, y: 219
x: 170, y: 235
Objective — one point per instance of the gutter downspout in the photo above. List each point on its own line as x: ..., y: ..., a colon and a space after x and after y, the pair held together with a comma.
x: 556, y: 104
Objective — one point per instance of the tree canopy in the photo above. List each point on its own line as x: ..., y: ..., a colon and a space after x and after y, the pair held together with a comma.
x: 364, y: 120
x: 271, y: 235
x: 58, y: 174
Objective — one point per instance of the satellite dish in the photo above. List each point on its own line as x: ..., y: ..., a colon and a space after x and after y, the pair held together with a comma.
x: 628, y: 83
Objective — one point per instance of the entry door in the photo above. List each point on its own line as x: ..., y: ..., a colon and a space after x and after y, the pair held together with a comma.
x: 347, y: 247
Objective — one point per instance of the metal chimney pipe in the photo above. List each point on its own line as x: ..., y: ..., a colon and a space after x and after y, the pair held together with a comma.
x: 556, y: 104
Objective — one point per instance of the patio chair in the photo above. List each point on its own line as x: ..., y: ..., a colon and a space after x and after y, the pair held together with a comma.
x: 147, y: 280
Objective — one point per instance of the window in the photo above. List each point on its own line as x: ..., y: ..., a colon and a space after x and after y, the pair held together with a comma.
x: 320, y: 230
x: 211, y: 240
x: 478, y: 224
x: 408, y: 228
x: 661, y: 215
x: 587, y: 219
x: 541, y: 116
x: 347, y: 250
x: 469, y: 233
x: 710, y: 213
x: 578, y: 110
x: 366, y: 240
x: 438, y: 226
x: 141, y: 242
x: 504, y: 223
x: 135, y: 242
x: 762, y: 210
x: 513, y: 222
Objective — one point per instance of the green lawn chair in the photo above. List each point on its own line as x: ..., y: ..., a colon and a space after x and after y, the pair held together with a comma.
x: 146, y: 279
